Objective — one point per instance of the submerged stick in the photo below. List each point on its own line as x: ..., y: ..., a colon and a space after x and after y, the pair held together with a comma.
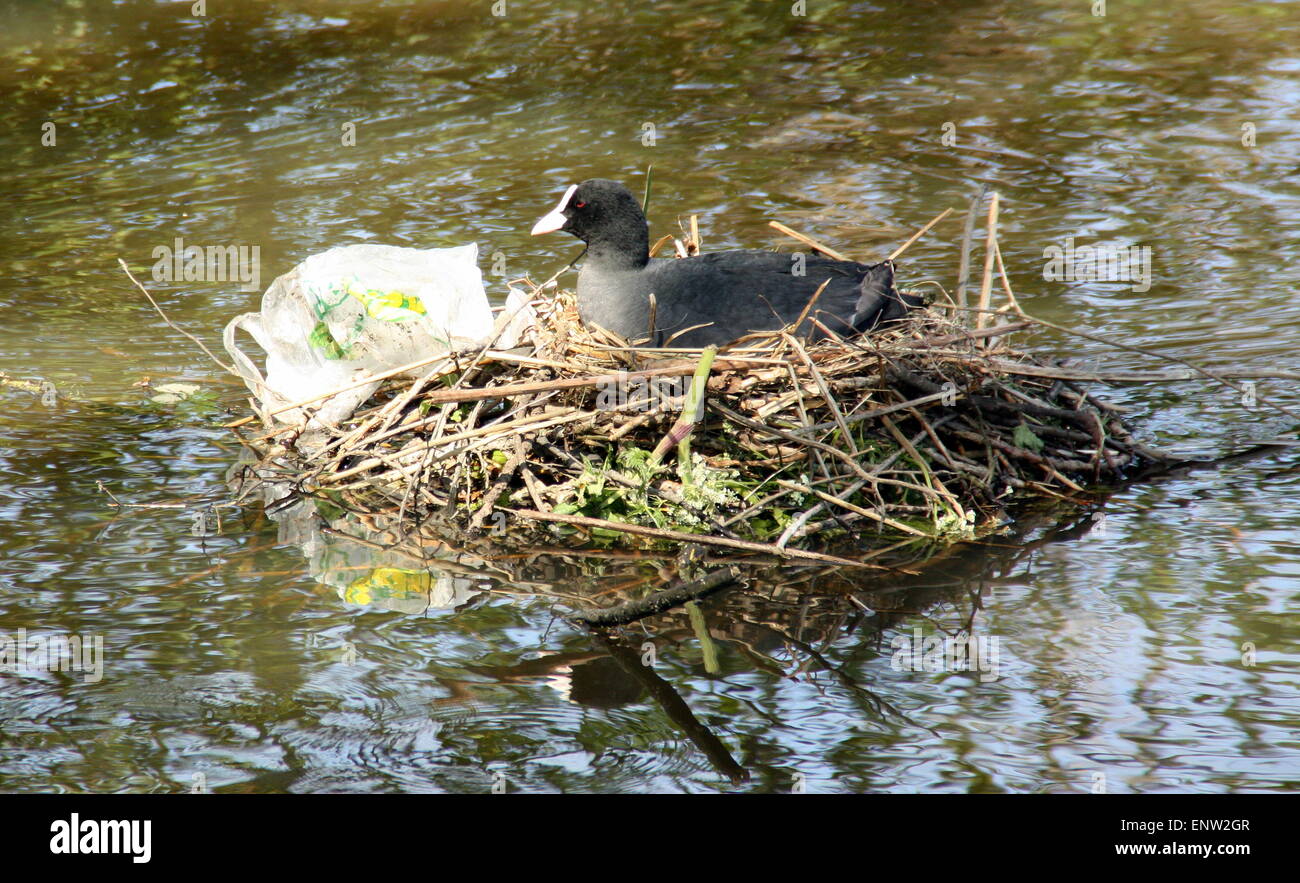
x: 631, y: 611
x: 676, y: 708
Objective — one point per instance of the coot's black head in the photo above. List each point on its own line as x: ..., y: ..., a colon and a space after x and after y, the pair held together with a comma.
x: 605, y: 215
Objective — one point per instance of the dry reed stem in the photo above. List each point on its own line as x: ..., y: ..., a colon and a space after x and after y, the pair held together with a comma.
x: 808, y: 241
x: 990, y: 247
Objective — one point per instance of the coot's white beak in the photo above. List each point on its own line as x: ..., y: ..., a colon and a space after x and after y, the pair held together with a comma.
x: 556, y: 219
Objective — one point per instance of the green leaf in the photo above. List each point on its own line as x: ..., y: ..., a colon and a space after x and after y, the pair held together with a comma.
x: 1024, y: 438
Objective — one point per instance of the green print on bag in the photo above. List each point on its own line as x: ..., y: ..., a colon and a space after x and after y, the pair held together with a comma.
x: 386, y: 306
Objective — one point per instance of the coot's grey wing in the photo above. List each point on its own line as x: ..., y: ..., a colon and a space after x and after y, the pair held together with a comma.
x: 739, y: 292
x: 744, y: 291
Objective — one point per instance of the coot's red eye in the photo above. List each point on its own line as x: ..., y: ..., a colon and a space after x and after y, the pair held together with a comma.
x: 579, y: 204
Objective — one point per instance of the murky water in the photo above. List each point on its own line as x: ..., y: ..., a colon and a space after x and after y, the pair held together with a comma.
x: 1155, y: 651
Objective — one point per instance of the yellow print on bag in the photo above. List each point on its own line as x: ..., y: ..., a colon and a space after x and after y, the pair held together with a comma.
x: 389, y: 583
x: 388, y: 306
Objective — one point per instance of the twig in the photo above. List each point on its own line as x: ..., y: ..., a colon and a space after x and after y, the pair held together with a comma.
x: 808, y: 241
x: 146, y: 293
x: 681, y: 537
x: 963, y: 270
x: 990, y: 246
x: 919, y: 233
x: 631, y: 611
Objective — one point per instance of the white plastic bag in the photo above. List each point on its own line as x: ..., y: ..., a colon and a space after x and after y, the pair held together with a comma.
x: 355, y: 311
x: 517, y: 322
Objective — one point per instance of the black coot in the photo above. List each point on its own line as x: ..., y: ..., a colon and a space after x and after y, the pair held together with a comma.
x: 712, y: 298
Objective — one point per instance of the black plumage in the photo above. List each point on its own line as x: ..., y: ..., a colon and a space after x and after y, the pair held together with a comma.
x: 713, y: 298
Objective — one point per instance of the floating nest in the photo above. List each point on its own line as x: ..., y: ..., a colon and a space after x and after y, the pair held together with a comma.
x: 929, y: 428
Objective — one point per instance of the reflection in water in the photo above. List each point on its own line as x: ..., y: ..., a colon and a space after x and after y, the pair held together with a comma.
x: 291, y: 654
x: 795, y: 622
